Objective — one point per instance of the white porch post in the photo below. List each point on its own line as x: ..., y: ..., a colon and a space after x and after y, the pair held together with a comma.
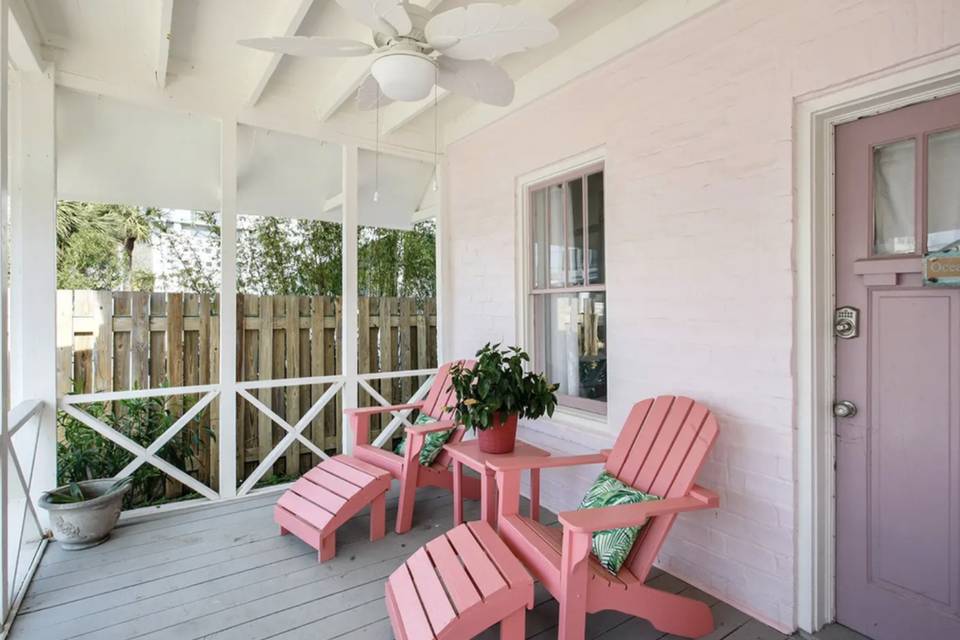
x: 348, y: 297
x: 33, y: 264
x: 4, y: 369
x: 227, y: 437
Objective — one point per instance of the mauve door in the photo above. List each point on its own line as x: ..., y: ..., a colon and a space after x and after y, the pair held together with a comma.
x: 898, y: 458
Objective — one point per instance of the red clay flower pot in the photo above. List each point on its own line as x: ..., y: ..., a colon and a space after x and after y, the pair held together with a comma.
x: 499, y: 437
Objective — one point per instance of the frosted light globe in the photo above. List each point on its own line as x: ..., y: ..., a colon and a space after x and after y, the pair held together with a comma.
x: 404, y: 75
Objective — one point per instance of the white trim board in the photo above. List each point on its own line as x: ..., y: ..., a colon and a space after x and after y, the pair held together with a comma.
x: 815, y: 116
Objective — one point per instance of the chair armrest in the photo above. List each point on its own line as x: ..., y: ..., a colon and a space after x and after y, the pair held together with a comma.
x: 371, y: 411
x: 631, y: 515
x: 546, y: 462
x: 430, y: 427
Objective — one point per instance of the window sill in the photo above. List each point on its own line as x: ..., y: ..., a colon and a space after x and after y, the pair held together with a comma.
x: 573, y: 425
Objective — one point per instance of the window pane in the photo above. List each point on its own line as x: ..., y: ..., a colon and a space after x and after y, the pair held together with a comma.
x: 539, y: 198
x: 893, y: 190
x: 573, y: 343
x: 943, y: 189
x: 574, y: 249
x: 595, y: 257
x: 555, y: 229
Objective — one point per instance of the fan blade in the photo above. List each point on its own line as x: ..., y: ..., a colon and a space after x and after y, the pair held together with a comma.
x: 309, y: 46
x: 383, y: 16
x: 446, y: 5
x: 368, y: 93
x: 477, y: 79
x: 485, y: 31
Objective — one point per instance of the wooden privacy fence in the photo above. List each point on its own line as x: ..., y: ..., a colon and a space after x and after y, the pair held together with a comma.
x: 116, y: 341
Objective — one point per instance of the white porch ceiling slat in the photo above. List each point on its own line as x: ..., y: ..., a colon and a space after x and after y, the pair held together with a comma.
x: 288, y: 22
x: 163, y: 43
x: 400, y: 113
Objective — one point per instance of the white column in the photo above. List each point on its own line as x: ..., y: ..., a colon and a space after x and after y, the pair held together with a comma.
x: 348, y: 297
x: 33, y: 268
x: 227, y: 437
x: 4, y: 369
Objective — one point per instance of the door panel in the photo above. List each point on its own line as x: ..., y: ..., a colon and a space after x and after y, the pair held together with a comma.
x: 898, y: 458
x: 910, y: 475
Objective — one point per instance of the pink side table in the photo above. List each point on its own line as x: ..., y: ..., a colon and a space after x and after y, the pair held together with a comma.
x: 468, y: 453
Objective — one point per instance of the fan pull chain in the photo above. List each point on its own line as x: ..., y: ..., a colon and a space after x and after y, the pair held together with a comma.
x: 376, y: 162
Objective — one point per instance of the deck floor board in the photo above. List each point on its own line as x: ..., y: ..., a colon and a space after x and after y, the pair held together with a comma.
x: 222, y: 571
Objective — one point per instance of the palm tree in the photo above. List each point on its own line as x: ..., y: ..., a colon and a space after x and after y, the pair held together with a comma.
x: 127, y: 225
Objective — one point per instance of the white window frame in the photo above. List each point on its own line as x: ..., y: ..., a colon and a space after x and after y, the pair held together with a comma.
x: 526, y: 335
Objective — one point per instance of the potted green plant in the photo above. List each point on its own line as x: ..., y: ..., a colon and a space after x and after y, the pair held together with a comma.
x: 497, y: 391
x: 84, y: 513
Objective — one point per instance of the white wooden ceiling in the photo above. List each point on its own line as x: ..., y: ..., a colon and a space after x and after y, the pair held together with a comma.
x: 182, y: 55
x: 163, y: 74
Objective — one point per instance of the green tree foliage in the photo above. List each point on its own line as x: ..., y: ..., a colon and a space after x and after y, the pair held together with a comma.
x: 275, y: 256
x: 90, y: 260
x: 391, y: 262
x: 95, y: 243
x: 279, y: 256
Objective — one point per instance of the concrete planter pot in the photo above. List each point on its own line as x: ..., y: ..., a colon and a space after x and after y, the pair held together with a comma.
x: 79, y: 525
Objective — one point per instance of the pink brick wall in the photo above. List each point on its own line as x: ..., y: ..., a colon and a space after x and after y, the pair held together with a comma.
x: 697, y: 129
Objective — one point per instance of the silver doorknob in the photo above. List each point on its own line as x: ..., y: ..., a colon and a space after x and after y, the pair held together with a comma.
x: 844, y: 409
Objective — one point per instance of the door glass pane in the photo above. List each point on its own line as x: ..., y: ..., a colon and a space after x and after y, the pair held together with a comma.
x: 539, y: 198
x: 595, y: 258
x: 555, y: 227
x: 943, y: 189
x: 574, y: 248
x: 893, y: 197
x: 573, y: 346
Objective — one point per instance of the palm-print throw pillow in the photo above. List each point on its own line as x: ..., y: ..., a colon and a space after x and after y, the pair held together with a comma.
x: 612, y: 546
x: 432, y: 442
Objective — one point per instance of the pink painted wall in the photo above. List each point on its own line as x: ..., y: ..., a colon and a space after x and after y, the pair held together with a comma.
x: 697, y: 129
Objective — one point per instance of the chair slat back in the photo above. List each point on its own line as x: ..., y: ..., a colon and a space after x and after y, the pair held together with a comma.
x: 663, y: 444
x: 441, y: 396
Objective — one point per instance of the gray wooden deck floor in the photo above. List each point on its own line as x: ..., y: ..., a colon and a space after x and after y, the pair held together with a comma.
x: 222, y: 572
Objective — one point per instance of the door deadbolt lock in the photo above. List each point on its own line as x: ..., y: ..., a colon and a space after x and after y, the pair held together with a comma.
x: 844, y: 409
x: 846, y: 321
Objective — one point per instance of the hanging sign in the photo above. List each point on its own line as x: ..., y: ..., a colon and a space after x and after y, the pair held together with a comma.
x: 942, y: 268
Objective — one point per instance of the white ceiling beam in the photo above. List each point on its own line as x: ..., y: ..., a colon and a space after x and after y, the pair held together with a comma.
x: 400, y: 113
x: 288, y: 23
x: 628, y: 32
x: 25, y: 40
x: 348, y: 78
x: 163, y: 43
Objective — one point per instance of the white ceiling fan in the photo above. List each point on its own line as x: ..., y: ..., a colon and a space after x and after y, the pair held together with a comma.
x: 452, y: 47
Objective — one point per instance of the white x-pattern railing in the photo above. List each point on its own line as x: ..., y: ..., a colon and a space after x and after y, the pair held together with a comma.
x: 294, y: 432
x: 246, y: 390
x: 146, y: 454
x: 16, y: 523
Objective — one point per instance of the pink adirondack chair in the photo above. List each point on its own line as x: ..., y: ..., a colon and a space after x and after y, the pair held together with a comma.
x: 660, y: 449
x: 407, y: 468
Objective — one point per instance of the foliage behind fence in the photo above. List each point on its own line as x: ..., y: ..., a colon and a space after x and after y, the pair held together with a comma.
x: 113, y: 341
